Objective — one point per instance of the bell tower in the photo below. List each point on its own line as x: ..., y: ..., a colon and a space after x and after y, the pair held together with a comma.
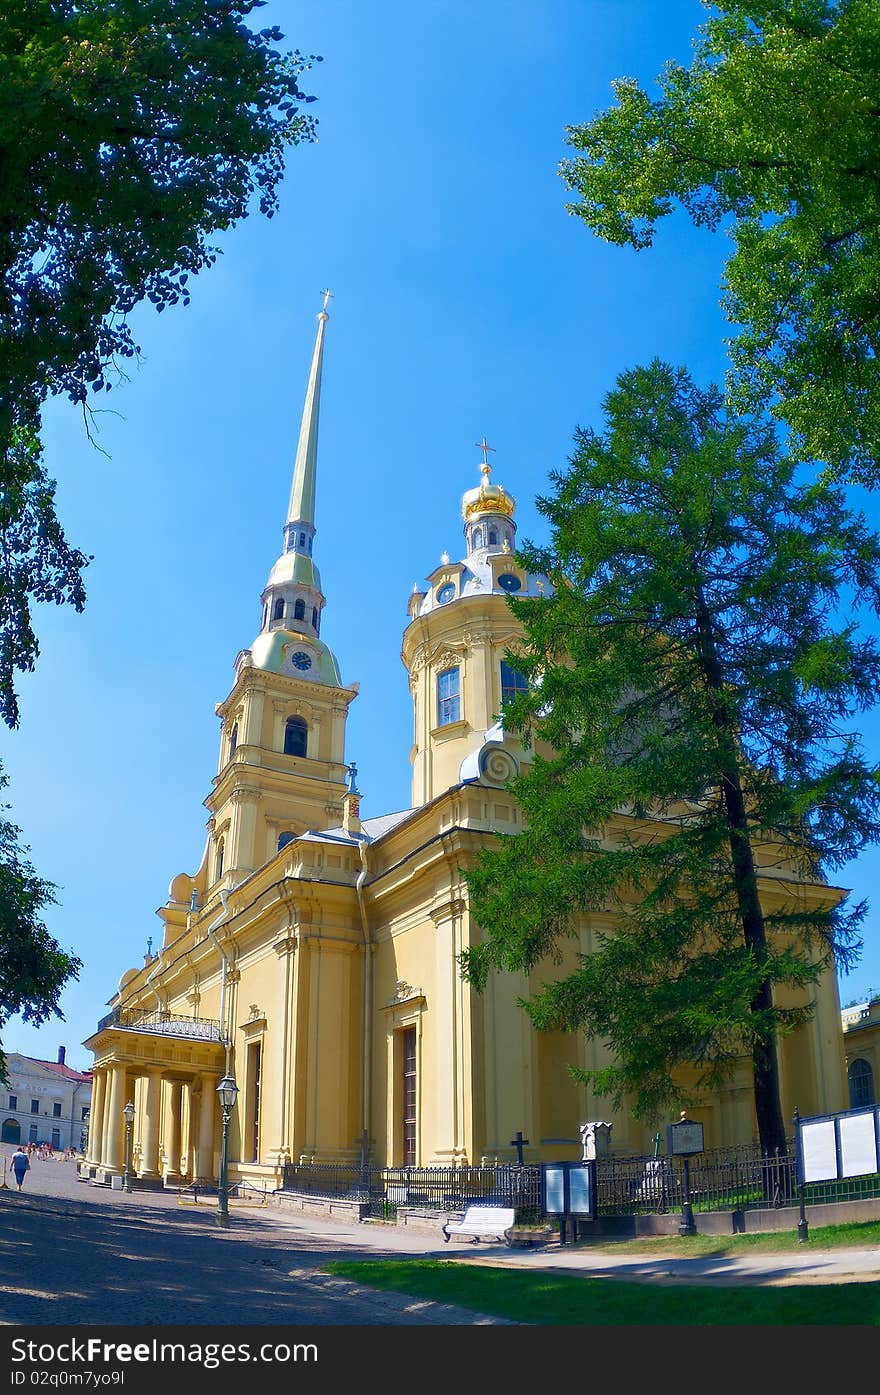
x: 454, y: 649
x: 282, y: 743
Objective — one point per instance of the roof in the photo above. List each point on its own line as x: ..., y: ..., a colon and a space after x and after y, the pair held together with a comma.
x: 373, y: 828
x: 56, y: 1067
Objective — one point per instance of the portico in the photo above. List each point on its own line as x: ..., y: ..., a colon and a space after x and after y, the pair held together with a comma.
x: 168, y: 1067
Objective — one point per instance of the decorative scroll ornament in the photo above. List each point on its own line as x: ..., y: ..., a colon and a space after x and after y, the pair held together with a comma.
x: 492, y: 763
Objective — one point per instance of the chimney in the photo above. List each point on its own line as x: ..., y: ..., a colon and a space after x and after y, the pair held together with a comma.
x: 351, y: 804
x: 61, y: 1053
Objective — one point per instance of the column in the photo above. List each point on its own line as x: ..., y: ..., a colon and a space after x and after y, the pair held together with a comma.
x: 114, y: 1157
x: 150, y: 1144
x: 96, y: 1117
x: 314, y: 751
x: 172, y: 1146
x: 299, y: 1045
x: 189, y: 1152
x: 207, y: 1113
x: 252, y: 724
x: 105, y: 1118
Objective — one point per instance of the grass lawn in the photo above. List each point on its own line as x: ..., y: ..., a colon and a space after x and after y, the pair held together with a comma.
x: 532, y: 1297
x: 853, y: 1236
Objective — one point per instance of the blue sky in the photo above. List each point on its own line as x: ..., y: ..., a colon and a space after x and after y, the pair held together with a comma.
x: 465, y: 301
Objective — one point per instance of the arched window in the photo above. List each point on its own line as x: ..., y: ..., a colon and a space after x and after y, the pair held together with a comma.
x: 221, y: 848
x: 265, y: 616
x: 11, y: 1132
x: 233, y: 741
x: 278, y: 610
x: 478, y: 538
x: 299, y: 610
x: 296, y: 733
x: 861, y: 1084
x: 314, y: 617
x: 302, y: 539
x: 285, y: 838
x: 493, y: 537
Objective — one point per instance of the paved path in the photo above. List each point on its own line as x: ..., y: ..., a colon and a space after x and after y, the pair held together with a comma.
x: 71, y: 1253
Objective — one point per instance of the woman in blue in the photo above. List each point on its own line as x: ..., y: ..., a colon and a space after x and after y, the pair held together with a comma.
x: 19, y: 1165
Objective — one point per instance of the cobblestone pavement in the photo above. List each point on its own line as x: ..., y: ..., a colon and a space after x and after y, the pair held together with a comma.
x: 72, y: 1253
x: 75, y: 1254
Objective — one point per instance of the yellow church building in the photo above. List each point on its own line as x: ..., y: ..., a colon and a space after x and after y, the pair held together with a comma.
x: 314, y: 956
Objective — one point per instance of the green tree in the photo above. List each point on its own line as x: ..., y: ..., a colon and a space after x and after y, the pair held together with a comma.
x: 33, y: 967
x: 695, y: 685
x: 131, y: 132
x: 36, y: 561
x: 773, y: 132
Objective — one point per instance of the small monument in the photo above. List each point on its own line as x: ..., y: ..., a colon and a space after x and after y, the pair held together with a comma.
x: 595, y: 1140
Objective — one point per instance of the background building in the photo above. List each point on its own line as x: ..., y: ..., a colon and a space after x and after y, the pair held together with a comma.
x: 316, y: 956
x: 44, y: 1102
x: 861, y: 1042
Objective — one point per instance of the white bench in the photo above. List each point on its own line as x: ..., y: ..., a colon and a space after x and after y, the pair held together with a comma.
x: 482, y: 1222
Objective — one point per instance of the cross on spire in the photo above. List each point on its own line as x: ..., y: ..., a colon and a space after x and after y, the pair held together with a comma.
x: 328, y: 296
x: 485, y: 448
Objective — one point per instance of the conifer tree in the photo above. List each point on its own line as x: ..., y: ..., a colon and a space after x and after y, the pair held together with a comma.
x: 697, y: 681
x: 770, y: 134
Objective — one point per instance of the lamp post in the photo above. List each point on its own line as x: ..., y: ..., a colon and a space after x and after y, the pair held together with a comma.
x: 227, y: 1092
x: 128, y: 1111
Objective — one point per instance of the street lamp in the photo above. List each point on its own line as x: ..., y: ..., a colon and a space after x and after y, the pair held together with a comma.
x: 128, y: 1111
x: 227, y: 1092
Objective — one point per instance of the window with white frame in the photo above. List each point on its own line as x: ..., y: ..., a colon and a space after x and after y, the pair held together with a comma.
x: 448, y: 697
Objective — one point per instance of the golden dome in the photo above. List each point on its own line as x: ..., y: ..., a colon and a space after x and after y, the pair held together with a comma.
x: 487, y: 498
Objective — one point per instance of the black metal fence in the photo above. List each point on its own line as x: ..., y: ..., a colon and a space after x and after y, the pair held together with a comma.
x: 724, y: 1179
x: 438, y: 1189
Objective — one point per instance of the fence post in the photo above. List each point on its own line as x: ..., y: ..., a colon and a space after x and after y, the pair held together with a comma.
x: 803, y: 1233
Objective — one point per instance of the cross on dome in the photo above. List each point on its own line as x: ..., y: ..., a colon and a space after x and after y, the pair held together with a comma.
x: 485, y: 448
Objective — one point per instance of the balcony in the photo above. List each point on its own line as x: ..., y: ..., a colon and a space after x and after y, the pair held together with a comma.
x: 163, y: 1024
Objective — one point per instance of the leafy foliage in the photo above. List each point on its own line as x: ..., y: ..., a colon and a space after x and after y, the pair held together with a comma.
x: 36, y: 562
x: 772, y: 132
x: 33, y: 967
x: 130, y: 132
x: 695, y: 769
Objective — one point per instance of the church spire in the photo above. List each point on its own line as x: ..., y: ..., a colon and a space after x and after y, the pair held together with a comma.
x: 292, y: 599
x: 301, y: 508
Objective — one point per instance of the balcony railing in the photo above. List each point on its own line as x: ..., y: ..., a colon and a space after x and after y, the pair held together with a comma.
x: 163, y: 1024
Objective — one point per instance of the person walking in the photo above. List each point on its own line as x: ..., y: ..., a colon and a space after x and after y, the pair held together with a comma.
x: 19, y: 1165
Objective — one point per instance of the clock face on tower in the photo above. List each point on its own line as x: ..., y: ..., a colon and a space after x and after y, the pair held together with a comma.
x: 301, y: 660
x: 508, y: 582
x: 446, y: 593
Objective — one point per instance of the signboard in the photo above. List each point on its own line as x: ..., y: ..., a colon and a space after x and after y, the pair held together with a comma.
x: 553, y: 1188
x: 834, y: 1146
x: 684, y: 1138
x: 569, y: 1189
x: 858, y: 1145
x: 818, y: 1150
x: 580, y: 1191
